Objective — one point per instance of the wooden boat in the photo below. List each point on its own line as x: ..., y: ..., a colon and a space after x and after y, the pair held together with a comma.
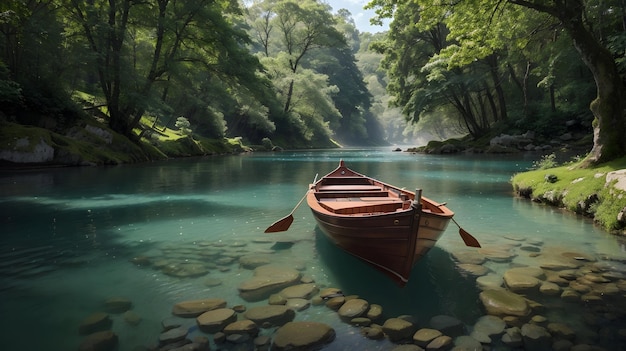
x: 383, y: 225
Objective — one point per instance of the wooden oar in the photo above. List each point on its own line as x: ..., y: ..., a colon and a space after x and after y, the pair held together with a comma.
x: 468, y: 239
x: 284, y: 223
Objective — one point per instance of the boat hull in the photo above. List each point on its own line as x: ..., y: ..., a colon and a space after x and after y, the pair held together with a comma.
x: 381, y: 229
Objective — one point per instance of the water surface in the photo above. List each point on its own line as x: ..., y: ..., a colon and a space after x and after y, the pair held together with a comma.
x: 71, y: 238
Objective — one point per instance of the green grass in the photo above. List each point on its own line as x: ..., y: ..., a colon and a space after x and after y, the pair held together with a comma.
x: 575, y: 185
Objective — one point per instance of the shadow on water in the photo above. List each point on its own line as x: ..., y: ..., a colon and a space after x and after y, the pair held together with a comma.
x: 435, y: 287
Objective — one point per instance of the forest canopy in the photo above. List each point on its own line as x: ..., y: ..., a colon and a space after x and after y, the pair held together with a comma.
x: 300, y: 74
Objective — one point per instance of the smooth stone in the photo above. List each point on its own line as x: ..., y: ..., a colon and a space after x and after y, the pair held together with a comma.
x: 117, y: 305
x: 212, y: 282
x: 490, y: 325
x: 504, y: 303
x: 244, y: 326
x: 298, y: 304
x: 519, y: 282
x: 513, y: 337
x: 328, y: 293
x: 473, y: 269
x: 440, y: 343
x: 470, y: 257
x: 375, y: 312
x: 531, y: 271
x: 100, y: 341
x: 335, y: 303
x: 253, y: 261
x: 194, y: 308
x: 303, y: 336
x: 267, y: 280
x: 550, y: 289
x: 558, y: 262
x: 237, y: 338
x: 301, y: 291
x: 353, y: 308
x: 132, y: 318
x: 398, y: 329
x: 489, y: 281
x: 536, y: 338
x: 173, y: 335
x: 262, y: 343
x: 269, y: 316
x: 448, y: 325
x: 465, y: 342
x: 215, y: 320
x: 481, y: 337
x: 99, y: 321
x: 276, y: 299
x: 562, y: 345
x: 373, y: 333
x: 424, y: 336
x: 561, y: 331
x: 570, y: 295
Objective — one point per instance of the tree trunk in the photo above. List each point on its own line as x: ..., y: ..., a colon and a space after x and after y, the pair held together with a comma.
x: 608, y: 108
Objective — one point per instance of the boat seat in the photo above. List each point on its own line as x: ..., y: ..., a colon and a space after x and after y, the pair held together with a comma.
x: 358, y: 187
x: 346, y: 194
x: 361, y: 205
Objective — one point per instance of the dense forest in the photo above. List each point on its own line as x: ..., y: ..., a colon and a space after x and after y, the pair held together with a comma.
x: 299, y: 74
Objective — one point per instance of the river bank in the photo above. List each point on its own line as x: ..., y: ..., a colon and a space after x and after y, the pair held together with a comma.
x: 598, y: 192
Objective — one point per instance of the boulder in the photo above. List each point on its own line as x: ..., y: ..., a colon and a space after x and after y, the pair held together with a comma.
x: 244, y: 326
x: 536, y: 338
x: 117, y: 305
x: 520, y: 282
x: 303, y: 336
x: 504, y: 303
x: 353, y: 308
x: 398, y: 329
x: 215, y: 320
x: 267, y: 279
x: 375, y: 312
x: 424, y: 336
x: 172, y: 336
x: 99, y: 321
x: 270, y: 316
x: 448, y: 325
x: 301, y: 291
x: 99, y: 341
x: 440, y: 343
x: 194, y: 308
x: 298, y: 304
x: 490, y: 325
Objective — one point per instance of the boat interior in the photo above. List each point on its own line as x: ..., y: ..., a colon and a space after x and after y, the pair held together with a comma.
x: 358, y: 195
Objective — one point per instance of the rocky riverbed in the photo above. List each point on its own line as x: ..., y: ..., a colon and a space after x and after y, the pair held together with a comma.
x: 533, y: 296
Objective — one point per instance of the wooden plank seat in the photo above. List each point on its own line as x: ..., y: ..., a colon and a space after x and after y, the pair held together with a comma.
x: 345, y: 194
x: 361, y: 205
x: 351, y: 187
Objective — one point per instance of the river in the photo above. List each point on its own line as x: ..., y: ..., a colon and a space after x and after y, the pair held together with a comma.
x: 74, y: 237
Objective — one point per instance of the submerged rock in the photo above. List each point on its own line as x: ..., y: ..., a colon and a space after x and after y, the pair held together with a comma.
x: 270, y: 316
x: 504, y: 303
x: 99, y: 321
x: 303, y: 336
x: 100, y: 341
x: 215, y: 320
x: 194, y: 308
x: 267, y: 280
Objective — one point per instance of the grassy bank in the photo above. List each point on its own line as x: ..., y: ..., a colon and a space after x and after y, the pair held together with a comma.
x: 581, y: 190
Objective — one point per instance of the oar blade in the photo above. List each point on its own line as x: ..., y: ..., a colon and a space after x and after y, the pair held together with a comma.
x: 281, y: 225
x: 468, y: 239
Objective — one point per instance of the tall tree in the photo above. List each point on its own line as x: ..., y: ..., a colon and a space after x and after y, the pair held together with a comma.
x: 476, y: 26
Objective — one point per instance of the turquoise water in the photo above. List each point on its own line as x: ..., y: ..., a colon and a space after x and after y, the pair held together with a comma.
x: 69, y: 237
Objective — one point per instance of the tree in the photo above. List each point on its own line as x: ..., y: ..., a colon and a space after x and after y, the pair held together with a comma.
x: 477, y: 27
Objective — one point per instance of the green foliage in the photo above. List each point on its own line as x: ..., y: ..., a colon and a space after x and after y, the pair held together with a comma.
x: 546, y: 162
x: 183, y: 125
